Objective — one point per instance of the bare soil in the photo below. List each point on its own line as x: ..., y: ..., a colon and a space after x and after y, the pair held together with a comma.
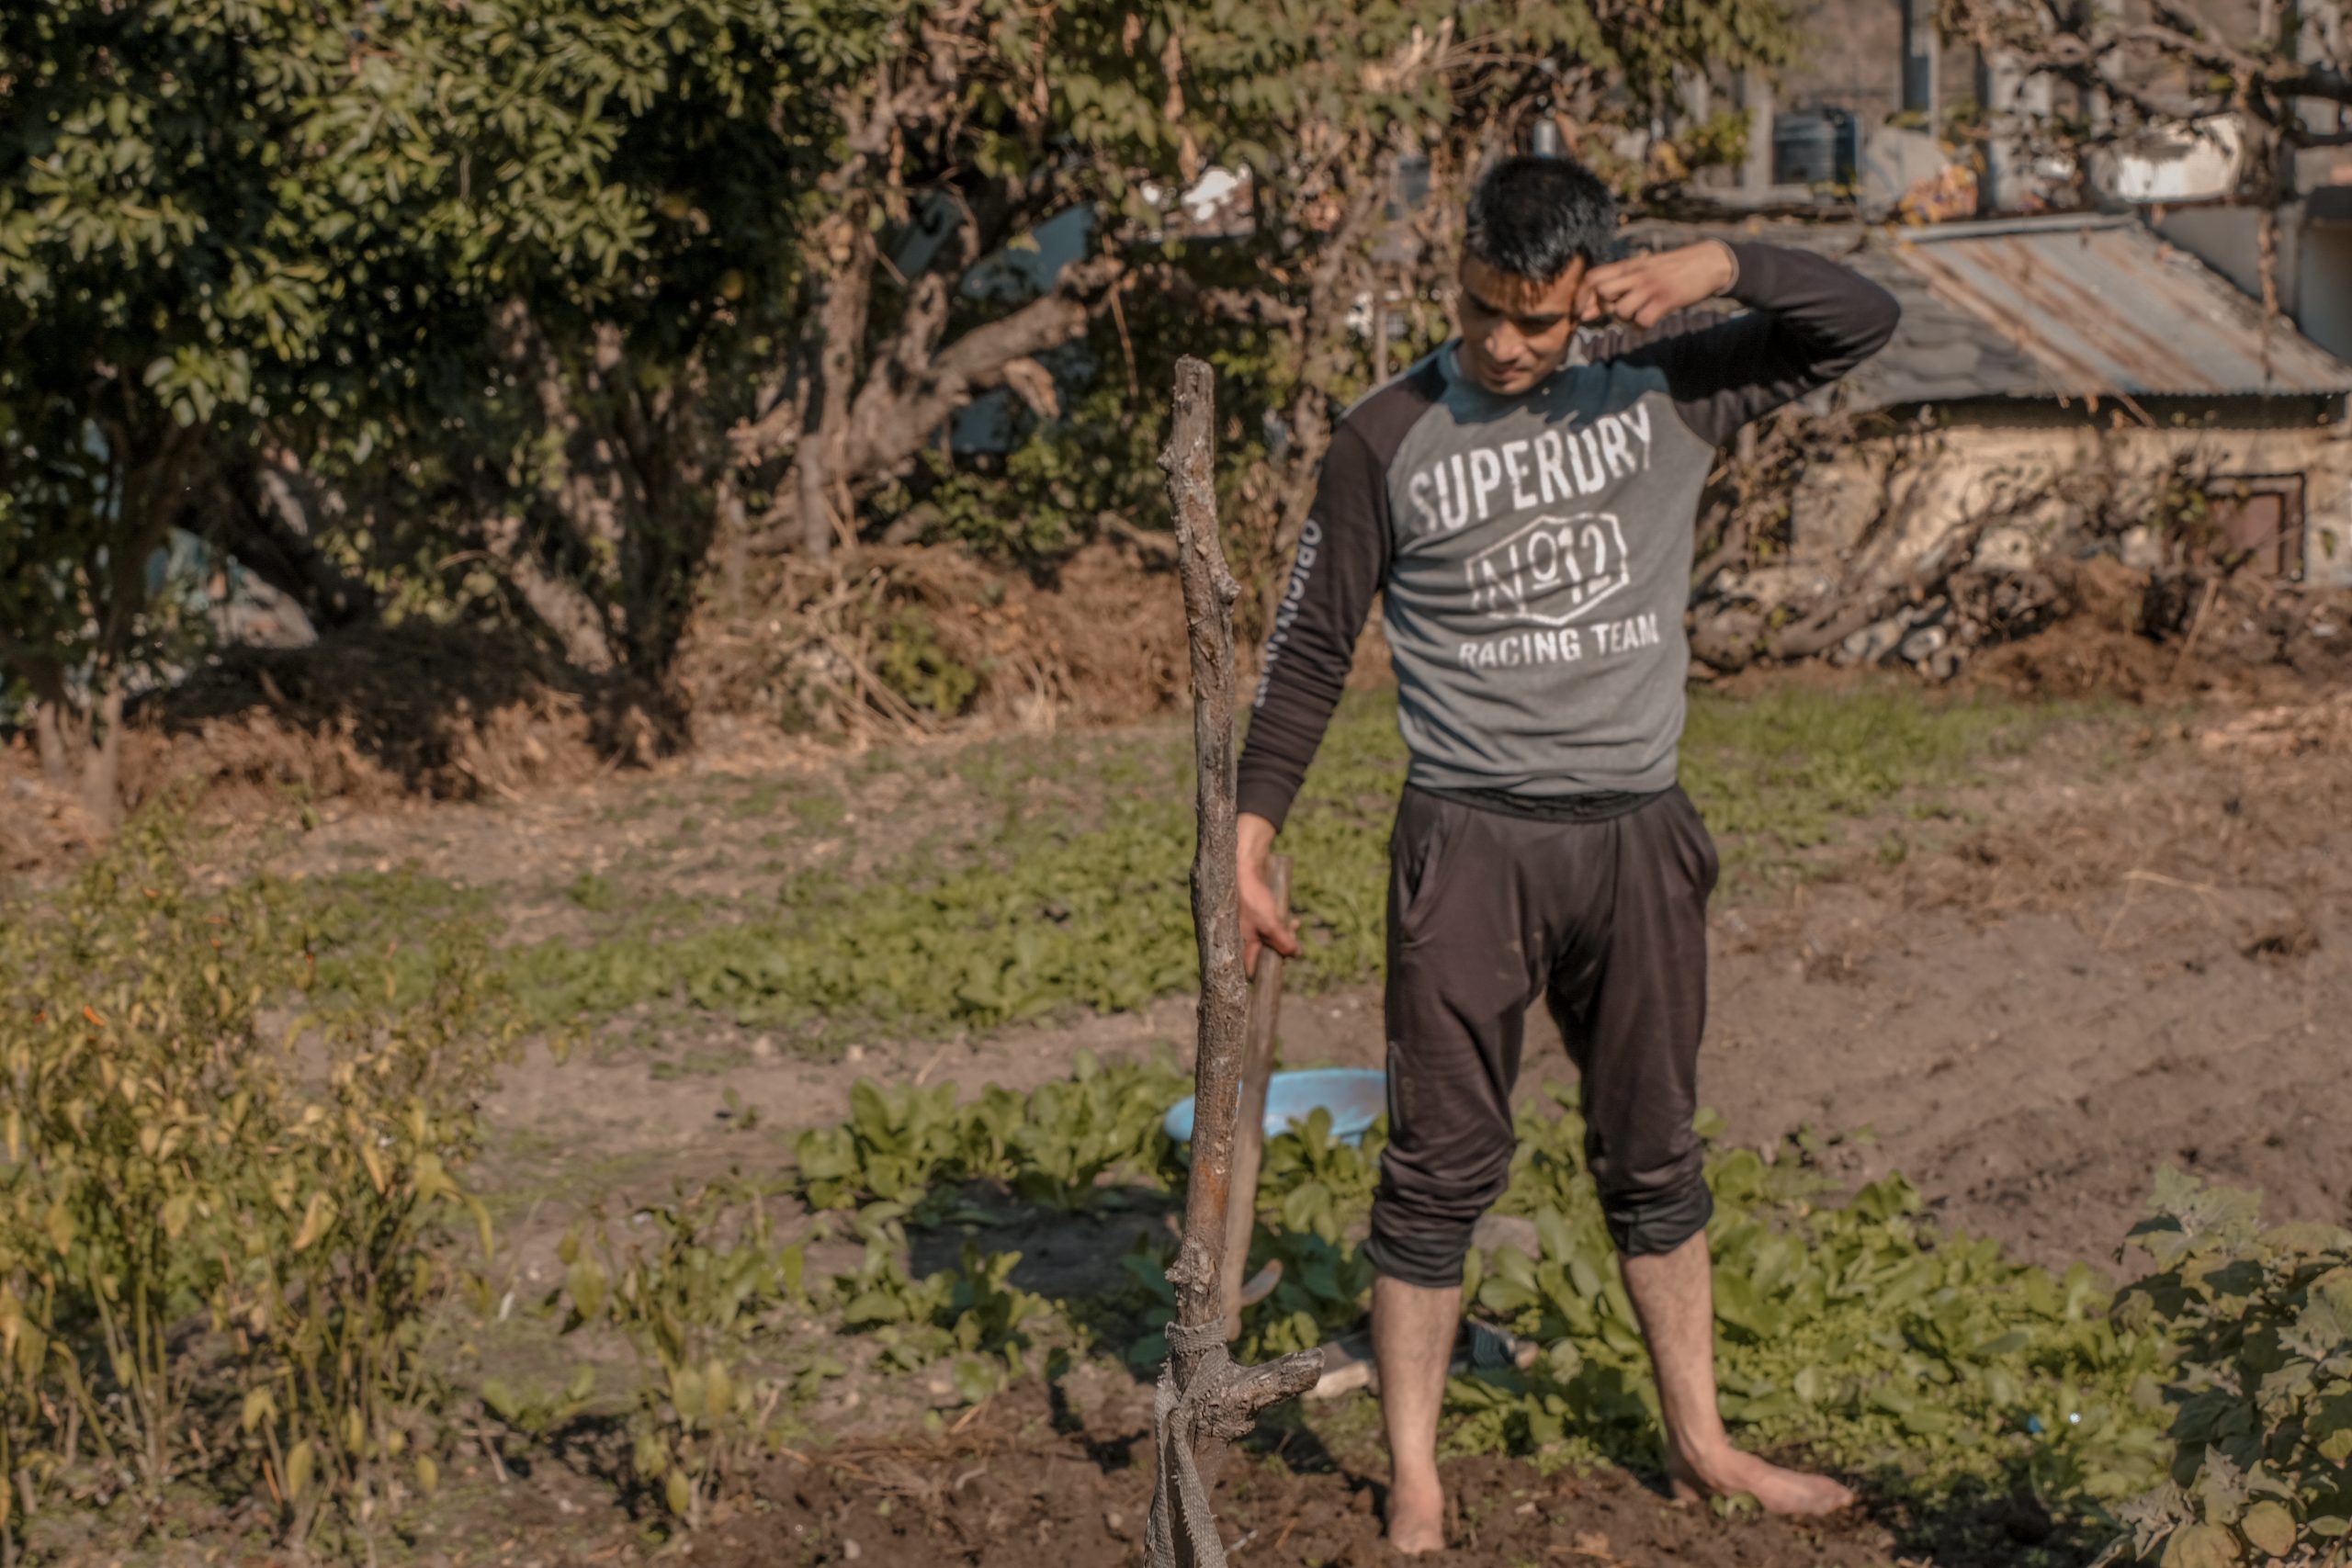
x: 2120, y: 950
x: 1044, y: 1474
x: 1041, y: 1481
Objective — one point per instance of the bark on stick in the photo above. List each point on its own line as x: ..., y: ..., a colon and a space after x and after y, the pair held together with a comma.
x: 1204, y: 1401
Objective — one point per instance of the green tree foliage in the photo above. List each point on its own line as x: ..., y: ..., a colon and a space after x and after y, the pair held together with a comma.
x: 162, y: 288
x: 520, y: 307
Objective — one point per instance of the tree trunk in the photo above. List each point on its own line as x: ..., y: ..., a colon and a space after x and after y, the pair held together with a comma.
x: 913, y: 389
x: 102, y: 761
x: 840, y: 325
x: 809, y: 487
x: 56, y: 732
x: 1204, y: 1401
x: 559, y: 603
x: 1209, y: 594
x: 273, y: 529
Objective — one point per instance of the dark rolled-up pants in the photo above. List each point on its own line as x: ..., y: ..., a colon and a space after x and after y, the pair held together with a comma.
x: 1607, y: 921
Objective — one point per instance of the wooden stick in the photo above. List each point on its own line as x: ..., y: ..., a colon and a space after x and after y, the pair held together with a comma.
x: 1209, y: 594
x: 1204, y: 1401
x: 2195, y: 624
x: 1250, y: 1132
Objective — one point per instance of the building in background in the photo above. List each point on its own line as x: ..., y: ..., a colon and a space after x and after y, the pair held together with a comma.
x: 2036, y: 354
x: 2039, y: 347
x: 1855, y: 129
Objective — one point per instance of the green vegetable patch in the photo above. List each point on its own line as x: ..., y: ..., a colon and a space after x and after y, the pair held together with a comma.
x: 1065, y: 884
x: 2203, y: 1411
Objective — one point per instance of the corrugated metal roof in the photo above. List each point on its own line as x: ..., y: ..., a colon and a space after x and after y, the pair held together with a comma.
x: 2072, y: 306
x: 2106, y: 307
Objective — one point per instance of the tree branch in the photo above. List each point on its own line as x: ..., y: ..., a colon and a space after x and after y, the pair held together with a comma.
x: 1204, y: 1401
x: 279, y: 509
x: 559, y: 603
x: 903, y: 405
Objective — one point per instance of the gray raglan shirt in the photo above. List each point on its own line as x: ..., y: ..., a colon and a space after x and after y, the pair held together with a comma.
x: 1533, y: 553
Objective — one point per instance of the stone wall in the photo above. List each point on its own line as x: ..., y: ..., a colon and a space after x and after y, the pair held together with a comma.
x: 1922, y: 545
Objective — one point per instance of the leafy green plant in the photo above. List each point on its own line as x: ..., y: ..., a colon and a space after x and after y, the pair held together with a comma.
x: 1312, y: 1189
x: 2261, y: 1462
x: 189, y: 1200
x: 535, y: 1414
x: 974, y: 1312
x: 912, y: 662
x: 1318, y: 1174
x: 1925, y: 1359
x: 690, y: 1290
x: 1324, y: 1285
x: 898, y: 1139
x: 1035, y: 911
x: 1073, y: 1133
x: 594, y: 893
x: 1054, y: 1145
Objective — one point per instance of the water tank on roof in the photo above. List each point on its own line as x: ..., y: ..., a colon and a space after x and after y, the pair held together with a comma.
x: 1814, y: 147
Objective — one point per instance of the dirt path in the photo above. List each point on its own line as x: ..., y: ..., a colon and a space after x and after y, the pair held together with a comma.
x: 2130, y: 959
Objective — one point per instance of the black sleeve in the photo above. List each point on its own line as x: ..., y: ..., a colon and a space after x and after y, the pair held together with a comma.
x: 1342, y: 559
x: 1809, y: 322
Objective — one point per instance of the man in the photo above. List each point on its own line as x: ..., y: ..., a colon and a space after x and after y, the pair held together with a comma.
x: 1524, y: 500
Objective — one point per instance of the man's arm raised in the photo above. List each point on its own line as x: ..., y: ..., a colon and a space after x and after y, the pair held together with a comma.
x: 1809, y: 322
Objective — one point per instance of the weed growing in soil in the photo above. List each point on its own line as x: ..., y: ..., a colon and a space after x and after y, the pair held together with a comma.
x: 1774, y: 774
x: 1054, y: 1146
x: 689, y: 1285
x: 717, y: 1311
x: 974, y: 1312
x: 225, y: 1232
x: 1922, y: 1359
x: 2261, y: 1459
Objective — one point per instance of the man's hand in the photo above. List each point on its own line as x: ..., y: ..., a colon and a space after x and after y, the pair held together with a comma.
x: 1263, y: 924
x: 1645, y: 290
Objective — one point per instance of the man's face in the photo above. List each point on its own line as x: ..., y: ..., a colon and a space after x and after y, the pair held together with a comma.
x: 1515, y: 330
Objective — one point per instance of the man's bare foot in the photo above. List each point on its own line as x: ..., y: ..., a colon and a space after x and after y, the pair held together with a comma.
x: 1779, y: 1491
x: 1417, y: 1517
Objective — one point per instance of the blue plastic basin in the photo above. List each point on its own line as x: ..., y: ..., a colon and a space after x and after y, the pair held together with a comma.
x: 1356, y: 1098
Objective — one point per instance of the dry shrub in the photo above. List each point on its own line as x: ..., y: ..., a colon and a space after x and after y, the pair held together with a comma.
x: 1097, y: 637
x: 386, y: 714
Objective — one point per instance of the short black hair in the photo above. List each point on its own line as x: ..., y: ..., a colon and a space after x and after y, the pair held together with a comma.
x: 1531, y: 216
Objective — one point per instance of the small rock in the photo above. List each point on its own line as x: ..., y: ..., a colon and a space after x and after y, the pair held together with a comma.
x: 1874, y: 643
x: 850, y: 1550
x: 763, y: 1049
x: 1922, y: 644
x: 854, y: 1054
